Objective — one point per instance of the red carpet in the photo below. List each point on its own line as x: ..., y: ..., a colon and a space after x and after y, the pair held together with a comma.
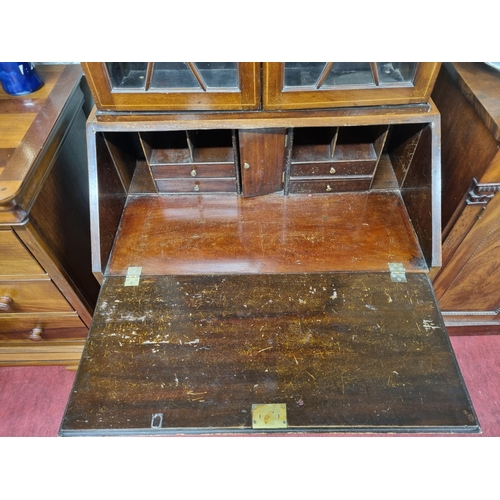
x: 479, y: 361
x: 33, y: 399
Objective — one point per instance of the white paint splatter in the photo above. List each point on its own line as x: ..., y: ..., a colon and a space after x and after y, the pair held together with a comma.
x: 429, y: 326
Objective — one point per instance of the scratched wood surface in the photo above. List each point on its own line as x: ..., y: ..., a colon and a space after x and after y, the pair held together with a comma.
x: 196, y: 234
x: 345, y: 352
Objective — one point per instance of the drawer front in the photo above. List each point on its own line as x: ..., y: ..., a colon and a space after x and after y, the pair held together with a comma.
x: 52, y: 325
x: 330, y: 185
x: 197, y: 186
x: 31, y: 296
x: 333, y: 168
x: 194, y: 170
x: 15, y: 259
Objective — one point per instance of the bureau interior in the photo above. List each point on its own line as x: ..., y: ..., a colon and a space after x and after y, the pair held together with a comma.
x: 352, y: 198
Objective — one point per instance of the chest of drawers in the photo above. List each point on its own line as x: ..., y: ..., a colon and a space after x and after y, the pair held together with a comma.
x: 47, y: 290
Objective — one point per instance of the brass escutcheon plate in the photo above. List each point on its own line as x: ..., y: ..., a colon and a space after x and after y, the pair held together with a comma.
x: 269, y: 416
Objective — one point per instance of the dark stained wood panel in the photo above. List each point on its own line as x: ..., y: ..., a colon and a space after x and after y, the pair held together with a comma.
x: 467, y: 145
x: 343, y: 351
x: 420, y: 198
x: 111, y: 200
x: 60, y: 213
x: 196, y: 234
x: 142, y: 180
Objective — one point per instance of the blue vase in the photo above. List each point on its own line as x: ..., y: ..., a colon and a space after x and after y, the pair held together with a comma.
x: 19, y: 78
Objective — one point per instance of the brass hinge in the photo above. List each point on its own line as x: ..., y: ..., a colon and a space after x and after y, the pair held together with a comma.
x: 270, y: 416
x: 398, y: 273
x: 133, y: 276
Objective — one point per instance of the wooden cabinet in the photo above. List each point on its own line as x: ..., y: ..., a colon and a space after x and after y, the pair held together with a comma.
x: 47, y: 289
x: 278, y: 306
x: 181, y: 86
x: 468, y: 97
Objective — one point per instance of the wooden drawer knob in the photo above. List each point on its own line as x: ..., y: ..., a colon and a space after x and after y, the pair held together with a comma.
x: 6, y: 304
x: 36, y: 334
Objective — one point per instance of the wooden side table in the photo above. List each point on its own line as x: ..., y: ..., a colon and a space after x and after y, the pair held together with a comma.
x: 47, y: 289
x: 467, y: 285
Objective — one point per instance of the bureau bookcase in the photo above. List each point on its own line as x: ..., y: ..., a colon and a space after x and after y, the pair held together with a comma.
x: 266, y: 270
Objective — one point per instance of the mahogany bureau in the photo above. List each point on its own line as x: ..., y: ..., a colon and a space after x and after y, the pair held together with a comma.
x: 263, y: 234
x: 47, y: 289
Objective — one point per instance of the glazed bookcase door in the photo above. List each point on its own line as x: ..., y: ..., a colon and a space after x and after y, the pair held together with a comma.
x: 174, y: 86
x: 308, y: 85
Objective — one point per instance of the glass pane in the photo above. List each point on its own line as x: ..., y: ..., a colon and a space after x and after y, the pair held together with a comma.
x: 173, y: 75
x: 219, y: 74
x: 302, y: 74
x: 396, y: 72
x: 127, y: 75
x: 350, y: 73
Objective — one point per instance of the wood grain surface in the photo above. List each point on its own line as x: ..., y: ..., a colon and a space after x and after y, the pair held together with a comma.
x: 195, y: 234
x: 342, y: 351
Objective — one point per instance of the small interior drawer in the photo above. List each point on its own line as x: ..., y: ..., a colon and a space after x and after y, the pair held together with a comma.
x: 31, y: 296
x: 193, y: 170
x: 333, y: 168
x: 196, y: 186
x: 334, y: 185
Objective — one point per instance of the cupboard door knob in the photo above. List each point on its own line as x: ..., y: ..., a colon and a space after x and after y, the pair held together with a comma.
x: 246, y: 166
x: 328, y: 188
x: 194, y: 173
x: 332, y: 170
x: 36, y: 334
x: 6, y: 304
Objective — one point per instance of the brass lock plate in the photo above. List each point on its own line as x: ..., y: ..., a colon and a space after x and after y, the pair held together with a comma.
x: 269, y: 416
